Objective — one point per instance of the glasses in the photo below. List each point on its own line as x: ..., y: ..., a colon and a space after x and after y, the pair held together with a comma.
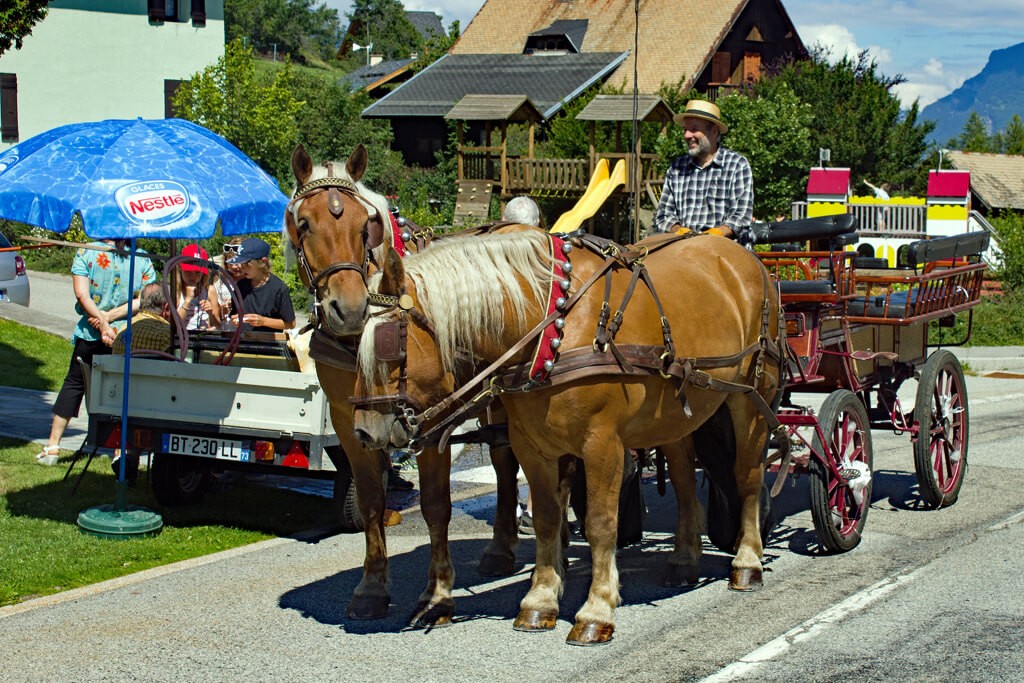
x: 233, y: 249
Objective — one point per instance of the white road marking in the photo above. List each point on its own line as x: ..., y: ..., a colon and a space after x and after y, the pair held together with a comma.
x: 857, y: 602
x: 1008, y: 522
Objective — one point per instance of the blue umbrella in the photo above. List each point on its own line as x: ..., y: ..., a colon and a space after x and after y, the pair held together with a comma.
x: 138, y: 178
x: 164, y: 178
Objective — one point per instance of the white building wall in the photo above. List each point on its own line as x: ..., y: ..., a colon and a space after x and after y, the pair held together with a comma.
x: 106, y: 62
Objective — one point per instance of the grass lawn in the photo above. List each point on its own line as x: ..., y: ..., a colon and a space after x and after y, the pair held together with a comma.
x: 42, y: 550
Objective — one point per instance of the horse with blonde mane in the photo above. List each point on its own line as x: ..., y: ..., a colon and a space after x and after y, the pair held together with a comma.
x: 579, y: 381
x: 337, y: 230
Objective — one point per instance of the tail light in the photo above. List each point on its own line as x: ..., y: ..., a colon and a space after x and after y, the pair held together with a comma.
x: 114, y: 438
x: 296, y: 457
x: 264, y: 450
x: 19, y: 265
x: 143, y: 439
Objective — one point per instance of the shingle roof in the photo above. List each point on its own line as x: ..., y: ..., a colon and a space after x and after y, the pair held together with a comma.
x: 675, y: 38
x: 427, y: 23
x: 620, y: 108
x: 574, y: 30
x: 367, y: 76
x: 547, y: 80
x: 997, y: 179
x: 494, y: 108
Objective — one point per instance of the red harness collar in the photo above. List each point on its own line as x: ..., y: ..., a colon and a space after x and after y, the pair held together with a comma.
x: 558, y: 291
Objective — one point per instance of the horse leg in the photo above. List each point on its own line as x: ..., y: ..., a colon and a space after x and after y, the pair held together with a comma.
x: 749, y: 428
x: 595, y: 621
x: 499, y: 558
x: 370, y: 599
x: 538, y: 610
x: 435, y: 606
x: 684, y: 562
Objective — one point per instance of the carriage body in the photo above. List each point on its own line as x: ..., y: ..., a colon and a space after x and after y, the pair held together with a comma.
x: 856, y: 335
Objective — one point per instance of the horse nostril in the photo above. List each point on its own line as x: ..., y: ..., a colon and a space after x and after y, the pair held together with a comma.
x: 364, y: 437
x: 338, y: 312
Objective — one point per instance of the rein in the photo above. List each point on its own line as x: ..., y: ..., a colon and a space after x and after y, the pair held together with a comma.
x: 602, y: 358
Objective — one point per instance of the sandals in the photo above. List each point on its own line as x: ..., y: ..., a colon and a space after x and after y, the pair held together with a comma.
x: 48, y: 456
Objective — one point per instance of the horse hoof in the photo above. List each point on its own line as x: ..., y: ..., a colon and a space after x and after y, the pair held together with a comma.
x: 680, y: 576
x: 745, y: 579
x: 535, y: 620
x: 368, y: 607
x: 590, y: 633
x: 433, y: 616
x: 497, y: 565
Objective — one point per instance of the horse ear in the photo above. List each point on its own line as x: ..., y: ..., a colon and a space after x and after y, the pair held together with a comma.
x: 393, y: 274
x: 356, y: 164
x: 302, y: 165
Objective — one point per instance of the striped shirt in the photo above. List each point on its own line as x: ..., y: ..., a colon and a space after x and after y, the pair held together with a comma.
x: 721, y: 193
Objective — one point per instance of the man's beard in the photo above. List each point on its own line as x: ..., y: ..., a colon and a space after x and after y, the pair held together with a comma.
x: 703, y: 147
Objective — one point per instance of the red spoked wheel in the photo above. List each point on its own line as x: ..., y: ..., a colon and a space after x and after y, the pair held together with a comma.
x: 940, y: 449
x: 840, y: 472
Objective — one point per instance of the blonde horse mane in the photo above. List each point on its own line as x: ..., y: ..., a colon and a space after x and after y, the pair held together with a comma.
x: 373, y: 201
x: 463, y: 286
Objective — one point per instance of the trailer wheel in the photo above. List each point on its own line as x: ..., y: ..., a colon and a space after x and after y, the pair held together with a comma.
x: 179, y: 479
x: 940, y: 449
x: 345, y: 500
x: 840, y: 472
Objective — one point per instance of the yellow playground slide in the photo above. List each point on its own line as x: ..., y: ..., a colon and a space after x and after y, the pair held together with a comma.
x: 601, y: 185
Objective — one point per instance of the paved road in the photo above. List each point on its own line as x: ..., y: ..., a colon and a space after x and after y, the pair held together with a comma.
x: 928, y: 595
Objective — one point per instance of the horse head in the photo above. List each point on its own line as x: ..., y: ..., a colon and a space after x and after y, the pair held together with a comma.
x: 334, y: 226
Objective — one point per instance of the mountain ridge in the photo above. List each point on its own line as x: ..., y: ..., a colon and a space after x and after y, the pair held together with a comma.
x: 996, y: 93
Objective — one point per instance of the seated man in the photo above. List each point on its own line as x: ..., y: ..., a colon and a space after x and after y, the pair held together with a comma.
x: 711, y: 188
x: 151, y: 330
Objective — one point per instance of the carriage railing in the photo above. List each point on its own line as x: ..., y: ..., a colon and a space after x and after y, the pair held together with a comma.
x: 811, y: 276
x: 940, y: 290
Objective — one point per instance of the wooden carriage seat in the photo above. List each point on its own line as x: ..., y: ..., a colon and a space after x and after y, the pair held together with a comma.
x: 923, y: 254
x: 824, y: 233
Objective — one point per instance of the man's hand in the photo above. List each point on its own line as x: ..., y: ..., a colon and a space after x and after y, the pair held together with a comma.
x: 682, y: 230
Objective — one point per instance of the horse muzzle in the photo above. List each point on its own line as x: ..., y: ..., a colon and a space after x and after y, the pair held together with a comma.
x: 344, y: 319
x: 382, y: 430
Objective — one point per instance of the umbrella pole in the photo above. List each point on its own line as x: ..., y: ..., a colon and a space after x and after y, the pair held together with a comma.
x: 121, y: 520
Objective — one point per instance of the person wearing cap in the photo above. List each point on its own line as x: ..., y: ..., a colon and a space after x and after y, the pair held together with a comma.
x: 265, y: 298
x: 711, y: 188
x: 198, y: 303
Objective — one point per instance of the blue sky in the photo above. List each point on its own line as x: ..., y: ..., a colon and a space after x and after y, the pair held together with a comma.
x: 935, y: 44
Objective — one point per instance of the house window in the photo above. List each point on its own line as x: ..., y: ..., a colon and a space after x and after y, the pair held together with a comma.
x: 170, y: 88
x: 8, y: 107
x: 199, y: 13
x: 163, y: 10
x: 721, y: 67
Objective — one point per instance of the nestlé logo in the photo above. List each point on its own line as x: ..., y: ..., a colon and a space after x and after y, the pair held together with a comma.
x: 154, y: 202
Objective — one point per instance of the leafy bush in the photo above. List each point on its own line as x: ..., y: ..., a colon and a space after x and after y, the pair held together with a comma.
x: 998, y: 321
x: 1010, y: 228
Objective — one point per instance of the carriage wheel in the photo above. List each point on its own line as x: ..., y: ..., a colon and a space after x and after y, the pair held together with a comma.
x: 840, y: 477
x: 940, y: 451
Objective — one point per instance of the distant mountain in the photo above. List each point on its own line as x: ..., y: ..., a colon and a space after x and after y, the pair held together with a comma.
x: 997, y: 93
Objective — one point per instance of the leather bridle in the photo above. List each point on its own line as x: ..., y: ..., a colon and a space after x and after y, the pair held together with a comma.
x: 373, y: 234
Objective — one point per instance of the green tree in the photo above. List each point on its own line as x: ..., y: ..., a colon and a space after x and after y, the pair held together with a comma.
x: 17, y: 17
x: 974, y: 136
x: 383, y: 23
x: 856, y: 115
x: 257, y: 117
x: 287, y: 27
x: 436, y: 47
x: 1011, y: 139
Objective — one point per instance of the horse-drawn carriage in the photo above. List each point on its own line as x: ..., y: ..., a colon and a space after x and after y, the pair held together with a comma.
x: 526, y: 322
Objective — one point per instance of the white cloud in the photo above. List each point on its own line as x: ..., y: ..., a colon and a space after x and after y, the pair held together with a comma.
x: 841, y: 42
x: 934, y: 68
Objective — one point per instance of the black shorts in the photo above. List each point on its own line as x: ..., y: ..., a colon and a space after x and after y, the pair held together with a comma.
x: 69, y: 398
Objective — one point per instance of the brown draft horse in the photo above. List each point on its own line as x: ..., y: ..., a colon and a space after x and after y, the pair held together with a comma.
x: 337, y: 230
x: 491, y: 293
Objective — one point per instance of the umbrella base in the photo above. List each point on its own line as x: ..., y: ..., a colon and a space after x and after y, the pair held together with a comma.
x: 106, y: 521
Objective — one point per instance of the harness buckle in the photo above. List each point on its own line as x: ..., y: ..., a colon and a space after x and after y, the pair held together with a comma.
x: 665, y: 358
x: 700, y: 379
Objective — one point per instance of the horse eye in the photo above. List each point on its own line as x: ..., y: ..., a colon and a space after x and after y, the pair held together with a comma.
x: 303, y: 225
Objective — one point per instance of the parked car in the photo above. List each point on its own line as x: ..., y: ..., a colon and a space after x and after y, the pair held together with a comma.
x: 13, y: 275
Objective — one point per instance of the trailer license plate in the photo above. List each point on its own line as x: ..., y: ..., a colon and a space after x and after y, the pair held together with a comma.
x: 206, y: 447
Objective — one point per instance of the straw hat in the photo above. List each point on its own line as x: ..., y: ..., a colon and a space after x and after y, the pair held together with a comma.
x: 700, y: 109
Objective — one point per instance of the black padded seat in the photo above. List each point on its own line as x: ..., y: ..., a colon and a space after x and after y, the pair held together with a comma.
x: 874, y: 306
x: 806, y: 287
x: 870, y: 262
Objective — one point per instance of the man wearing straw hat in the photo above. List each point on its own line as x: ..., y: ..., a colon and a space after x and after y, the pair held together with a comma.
x: 711, y: 188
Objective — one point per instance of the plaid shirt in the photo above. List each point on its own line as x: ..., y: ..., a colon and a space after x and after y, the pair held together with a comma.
x: 150, y: 332
x: 721, y: 193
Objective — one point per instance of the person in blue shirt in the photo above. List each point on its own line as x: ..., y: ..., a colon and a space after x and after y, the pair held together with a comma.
x: 100, y: 279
